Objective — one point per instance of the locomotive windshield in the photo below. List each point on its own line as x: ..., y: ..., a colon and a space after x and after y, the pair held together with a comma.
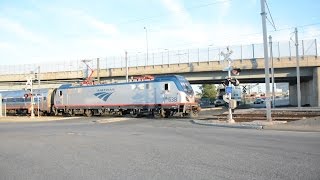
x: 185, y: 85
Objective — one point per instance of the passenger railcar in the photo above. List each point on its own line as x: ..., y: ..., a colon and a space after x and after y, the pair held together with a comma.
x: 19, y: 101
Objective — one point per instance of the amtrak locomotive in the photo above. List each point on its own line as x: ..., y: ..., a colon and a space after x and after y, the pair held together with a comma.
x: 163, y: 96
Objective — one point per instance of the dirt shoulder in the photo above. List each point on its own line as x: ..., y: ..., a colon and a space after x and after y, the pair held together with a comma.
x: 310, y: 124
x: 209, y: 112
x: 284, y: 119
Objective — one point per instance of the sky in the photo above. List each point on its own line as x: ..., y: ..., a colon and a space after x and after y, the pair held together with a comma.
x: 33, y: 31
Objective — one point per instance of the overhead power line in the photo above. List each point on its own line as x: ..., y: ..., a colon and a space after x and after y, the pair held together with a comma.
x: 187, y: 8
x: 272, y: 22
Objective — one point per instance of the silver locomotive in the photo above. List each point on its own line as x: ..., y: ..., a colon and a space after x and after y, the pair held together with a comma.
x: 162, y: 96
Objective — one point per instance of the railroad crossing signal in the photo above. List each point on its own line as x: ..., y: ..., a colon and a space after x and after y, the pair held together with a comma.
x: 29, y: 84
x: 244, y: 89
x: 228, y: 89
x: 236, y: 71
x: 233, y: 81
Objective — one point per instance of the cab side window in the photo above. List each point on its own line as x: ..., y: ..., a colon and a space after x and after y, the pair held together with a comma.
x: 166, y: 87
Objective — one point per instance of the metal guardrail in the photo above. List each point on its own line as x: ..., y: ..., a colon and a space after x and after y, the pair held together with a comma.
x: 280, y: 49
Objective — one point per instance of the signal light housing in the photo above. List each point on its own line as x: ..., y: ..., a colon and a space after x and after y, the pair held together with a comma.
x: 236, y: 71
x: 233, y: 81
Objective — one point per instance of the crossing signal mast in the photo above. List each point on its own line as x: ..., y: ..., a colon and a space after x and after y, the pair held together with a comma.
x: 229, y: 82
x: 29, y: 88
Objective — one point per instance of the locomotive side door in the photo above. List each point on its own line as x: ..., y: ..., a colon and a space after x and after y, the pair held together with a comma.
x: 59, y: 97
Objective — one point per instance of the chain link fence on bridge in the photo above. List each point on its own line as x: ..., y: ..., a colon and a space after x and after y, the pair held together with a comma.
x: 280, y: 49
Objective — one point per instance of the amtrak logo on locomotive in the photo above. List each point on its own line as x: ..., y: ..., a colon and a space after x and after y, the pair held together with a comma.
x: 106, y: 89
x: 103, y: 95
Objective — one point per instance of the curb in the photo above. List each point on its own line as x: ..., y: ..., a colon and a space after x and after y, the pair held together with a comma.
x: 242, y: 126
x: 25, y: 119
x: 293, y: 128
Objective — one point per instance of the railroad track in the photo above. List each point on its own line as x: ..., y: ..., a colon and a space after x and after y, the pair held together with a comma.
x: 257, y: 115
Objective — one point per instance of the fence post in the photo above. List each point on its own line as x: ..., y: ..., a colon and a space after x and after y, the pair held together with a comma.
x: 162, y: 58
x: 240, y: 52
x: 153, y: 58
x: 252, y: 51
x: 178, y: 57
x: 302, y: 49
x: 278, y: 50
x: 198, y: 56
x: 316, y: 46
x: 106, y: 63
x: 168, y: 58
x: 188, y: 57
x: 121, y: 62
x: 208, y: 54
x: 289, y: 50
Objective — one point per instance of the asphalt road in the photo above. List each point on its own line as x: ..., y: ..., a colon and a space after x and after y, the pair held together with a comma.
x: 153, y: 149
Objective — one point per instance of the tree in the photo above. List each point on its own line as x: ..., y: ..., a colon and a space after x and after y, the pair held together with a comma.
x: 208, y: 91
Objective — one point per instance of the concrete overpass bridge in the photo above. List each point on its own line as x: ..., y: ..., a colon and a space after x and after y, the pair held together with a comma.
x: 196, y: 71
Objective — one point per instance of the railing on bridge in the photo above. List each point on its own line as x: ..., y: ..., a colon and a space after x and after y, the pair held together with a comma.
x: 280, y: 49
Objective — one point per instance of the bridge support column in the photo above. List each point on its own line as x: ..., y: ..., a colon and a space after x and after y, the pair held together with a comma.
x: 310, y: 91
x: 307, y: 94
x: 315, y: 100
x: 293, y: 95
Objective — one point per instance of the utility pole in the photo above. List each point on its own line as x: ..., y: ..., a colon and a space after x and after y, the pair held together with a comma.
x: 266, y: 60
x: 298, y: 68
x: 272, y: 73
x: 127, y: 69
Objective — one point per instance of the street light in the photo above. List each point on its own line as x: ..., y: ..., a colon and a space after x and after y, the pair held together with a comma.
x: 147, y: 45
